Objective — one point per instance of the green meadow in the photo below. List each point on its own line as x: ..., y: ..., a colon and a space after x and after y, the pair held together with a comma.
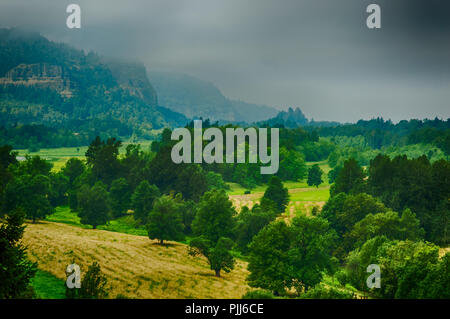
x: 59, y: 156
x: 125, y: 224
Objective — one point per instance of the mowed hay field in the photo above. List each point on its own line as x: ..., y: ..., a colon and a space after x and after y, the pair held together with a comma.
x: 136, y: 267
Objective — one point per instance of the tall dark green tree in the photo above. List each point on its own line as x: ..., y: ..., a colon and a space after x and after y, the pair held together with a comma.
x: 7, y: 157
x: 34, y: 165
x: 310, y: 252
x: 31, y: 194
x: 93, y: 205
x: 213, y: 226
x: 119, y: 194
x: 102, y: 156
x: 277, y: 193
x: 292, y: 165
x: 191, y: 182
x: 269, y: 262
x: 142, y: 200
x: 134, y: 163
x: 218, y: 255
x: 59, y: 187
x: 388, y: 224
x: 249, y: 223
x: 315, y: 176
x: 283, y: 257
x: 16, y: 270
x: 350, y: 179
x: 73, y: 168
x: 165, y: 220
x: 214, y: 218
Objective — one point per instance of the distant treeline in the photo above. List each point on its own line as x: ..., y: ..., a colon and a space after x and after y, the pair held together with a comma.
x: 34, y: 137
x: 379, y: 133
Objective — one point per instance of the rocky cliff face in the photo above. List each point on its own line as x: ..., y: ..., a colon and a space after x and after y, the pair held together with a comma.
x: 44, y: 82
x: 40, y: 75
x: 132, y: 77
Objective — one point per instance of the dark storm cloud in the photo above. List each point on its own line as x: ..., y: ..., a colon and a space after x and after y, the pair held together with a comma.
x: 315, y: 54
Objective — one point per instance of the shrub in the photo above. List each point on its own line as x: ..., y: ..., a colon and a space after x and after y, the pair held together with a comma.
x: 322, y: 292
x: 258, y: 294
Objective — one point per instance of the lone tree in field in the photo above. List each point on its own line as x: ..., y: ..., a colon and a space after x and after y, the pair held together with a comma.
x: 165, y: 221
x: 315, y: 176
x: 213, y: 225
x: 93, y: 205
x: 142, y: 200
x: 277, y: 193
x: 214, y: 218
x: 16, y: 270
x: 219, y: 255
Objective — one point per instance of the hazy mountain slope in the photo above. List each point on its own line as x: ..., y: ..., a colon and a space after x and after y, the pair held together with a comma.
x: 197, y: 98
x: 43, y: 82
x: 252, y: 112
x: 132, y: 77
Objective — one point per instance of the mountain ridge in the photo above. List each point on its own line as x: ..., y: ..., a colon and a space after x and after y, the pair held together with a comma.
x: 54, y: 84
x: 195, y: 97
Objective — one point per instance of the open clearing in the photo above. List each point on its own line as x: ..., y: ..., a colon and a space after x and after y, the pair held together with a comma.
x: 136, y: 267
x: 59, y: 156
x: 301, y: 199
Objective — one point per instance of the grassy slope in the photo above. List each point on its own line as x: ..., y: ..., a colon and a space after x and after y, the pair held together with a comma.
x: 135, y: 266
x: 48, y: 286
x: 125, y: 224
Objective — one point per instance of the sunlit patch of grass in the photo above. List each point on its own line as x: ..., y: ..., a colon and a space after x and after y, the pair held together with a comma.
x: 311, y: 194
x: 330, y: 281
x: 60, y: 155
x: 125, y: 224
x: 47, y: 286
x: 63, y: 214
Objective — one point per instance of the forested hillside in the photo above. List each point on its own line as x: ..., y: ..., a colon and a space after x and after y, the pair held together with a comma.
x: 43, y: 82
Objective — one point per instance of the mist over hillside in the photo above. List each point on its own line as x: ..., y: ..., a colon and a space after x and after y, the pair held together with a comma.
x: 43, y: 82
x: 194, y: 97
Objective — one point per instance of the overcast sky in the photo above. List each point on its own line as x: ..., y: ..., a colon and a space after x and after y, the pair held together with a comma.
x: 314, y: 54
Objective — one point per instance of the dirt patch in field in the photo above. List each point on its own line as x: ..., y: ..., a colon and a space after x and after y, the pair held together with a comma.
x: 135, y: 266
